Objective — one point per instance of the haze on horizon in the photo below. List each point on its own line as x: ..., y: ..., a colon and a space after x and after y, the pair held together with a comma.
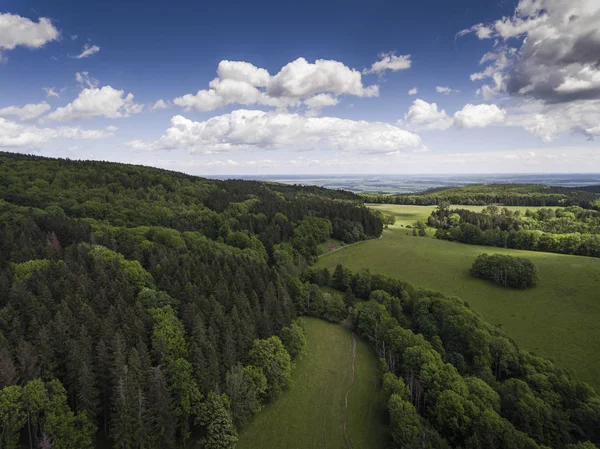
x: 262, y: 88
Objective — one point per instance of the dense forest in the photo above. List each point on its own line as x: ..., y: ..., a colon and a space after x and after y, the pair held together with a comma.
x: 142, y: 308
x: 147, y: 307
x: 570, y: 230
x: 502, y: 194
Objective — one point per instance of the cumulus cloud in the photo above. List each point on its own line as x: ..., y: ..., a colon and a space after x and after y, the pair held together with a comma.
x: 242, y: 83
x: 51, y: 92
x: 88, y: 51
x: 413, y: 91
x: 253, y: 129
x: 445, y: 90
x: 479, y: 116
x: 27, y: 112
x: 389, y: 62
x: 426, y: 116
x: 15, y: 135
x: 20, y: 31
x: 160, y: 104
x: 318, y: 102
x: 556, y: 56
x: 548, y: 121
x: 96, y: 102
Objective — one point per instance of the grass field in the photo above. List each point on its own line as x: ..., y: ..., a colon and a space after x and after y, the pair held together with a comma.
x: 557, y: 319
x: 311, y: 413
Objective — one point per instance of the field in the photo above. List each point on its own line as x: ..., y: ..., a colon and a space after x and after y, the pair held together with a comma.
x: 311, y: 413
x: 557, y: 319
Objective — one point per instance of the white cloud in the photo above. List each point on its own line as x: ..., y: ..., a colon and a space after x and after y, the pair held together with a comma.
x: 479, y: 116
x: 51, y: 92
x: 243, y: 71
x: 27, y: 112
x: 426, y: 116
x: 413, y: 91
x: 160, y: 104
x: 301, y: 78
x: 97, y: 102
x: 85, y: 80
x: 318, y: 102
x: 20, y: 31
x: 88, y: 51
x: 14, y: 135
x: 253, y: 129
x: 242, y: 83
x: 549, y: 121
x: 391, y: 62
x: 557, y: 61
x: 444, y: 90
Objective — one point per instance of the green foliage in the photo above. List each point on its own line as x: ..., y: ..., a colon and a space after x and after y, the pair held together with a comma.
x: 271, y: 357
x: 294, y: 339
x: 563, y: 300
x: 508, y: 271
x: 24, y: 271
x: 132, y: 269
x: 508, y: 390
x: 220, y: 433
x: 12, y: 416
x: 168, y: 339
x: 245, y: 387
x: 483, y: 194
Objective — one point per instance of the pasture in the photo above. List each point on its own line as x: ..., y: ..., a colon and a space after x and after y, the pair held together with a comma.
x: 312, y: 413
x: 557, y: 319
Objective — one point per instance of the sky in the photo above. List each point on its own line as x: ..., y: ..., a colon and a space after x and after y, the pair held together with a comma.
x: 311, y: 87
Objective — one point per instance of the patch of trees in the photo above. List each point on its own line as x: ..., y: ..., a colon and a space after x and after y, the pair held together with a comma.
x: 508, y: 271
x: 504, y: 194
x: 148, y: 306
x: 571, y: 230
x: 452, y: 380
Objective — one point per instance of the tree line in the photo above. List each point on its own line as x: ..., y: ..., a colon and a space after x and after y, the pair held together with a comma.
x: 504, y: 194
x: 451, y: 380
x: 571, y: 230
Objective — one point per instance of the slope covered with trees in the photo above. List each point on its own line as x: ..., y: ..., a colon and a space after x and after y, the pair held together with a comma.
x: 148, y: 306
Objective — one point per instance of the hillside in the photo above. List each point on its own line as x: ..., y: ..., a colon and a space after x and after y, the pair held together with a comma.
x: 137, y: 303
x: 501, y: 194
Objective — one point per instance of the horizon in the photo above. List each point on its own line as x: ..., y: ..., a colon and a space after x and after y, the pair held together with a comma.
x: 493, y: 87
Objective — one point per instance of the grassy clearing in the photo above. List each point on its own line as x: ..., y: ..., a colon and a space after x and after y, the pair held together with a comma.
x: 310, y: 414
x: 557, y: 319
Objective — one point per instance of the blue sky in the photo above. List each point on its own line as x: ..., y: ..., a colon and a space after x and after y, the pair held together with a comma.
x: 305, y: 87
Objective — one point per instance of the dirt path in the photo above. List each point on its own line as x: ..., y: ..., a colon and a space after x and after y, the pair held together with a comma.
x: 348, y: 440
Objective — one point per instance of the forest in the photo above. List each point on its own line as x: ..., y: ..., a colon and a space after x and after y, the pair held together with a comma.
x: 569, y: 230
x: 502, y: 194
x: 142, y: 308
x: 148, y: 308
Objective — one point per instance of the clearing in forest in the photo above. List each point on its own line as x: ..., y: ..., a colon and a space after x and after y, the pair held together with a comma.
x: 557, y: 319
x: 336, y: 370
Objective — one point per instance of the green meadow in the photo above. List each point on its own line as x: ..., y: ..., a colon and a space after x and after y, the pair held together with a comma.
x: 312, y: 412
x: 557, y: 319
